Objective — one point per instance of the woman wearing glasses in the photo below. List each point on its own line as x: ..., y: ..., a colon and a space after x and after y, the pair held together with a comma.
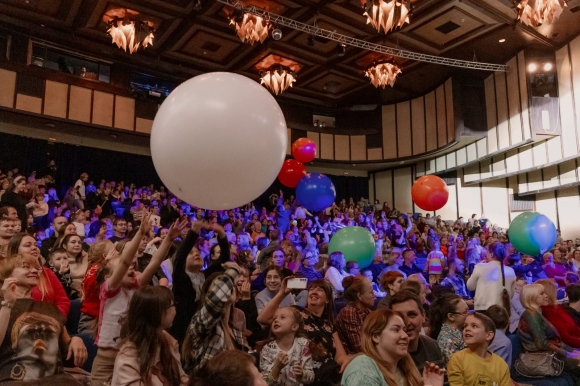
x: 446, y: 317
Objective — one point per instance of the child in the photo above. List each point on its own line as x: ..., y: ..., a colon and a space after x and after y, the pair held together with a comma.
x: 118, y: 288
x: 78, y: 221
x: 40, y: 212
x: 435, y: 263
x: 58, y: 262
x: 476, y: 365
x: 376, y: 289
x: 285, y: 359
x: 501, y: 344
x: 149, y: 355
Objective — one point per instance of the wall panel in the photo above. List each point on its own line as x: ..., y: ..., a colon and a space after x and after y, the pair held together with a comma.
x: 55, y: 99
x: 375, y: 154
x: 389, y: 132
x: 124, y: 113
x: 29, y: 103
x: 468, y: 197
x: 80, y: 104
x: 103, y: 108
x: 449, y: 110
x: 449, y: 211
x: 418, y: 123
x: 404, y: 129
x: 495, y: 201
x: 502, y: 110
x: 568, y: 123
x: 568, y: 208
x: 315, y: 137
x: 524, y: 96
x: 403, y: 182
x: 384, y: 187
x: 441, y: 116
x: 491, y: 112
x: 143, y: 125
x: 326, y: 146
x: 358, y: 148
x: 8, y: 82
x: 513, y: 94
x: 341, y: 148
x: 431, y: 121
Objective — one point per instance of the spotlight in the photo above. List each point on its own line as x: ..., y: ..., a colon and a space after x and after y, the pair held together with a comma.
x: 501, y: 40
x: 276, y: 34
x: 341, y: 49
x: 311, y: 40
x: 547, y: 66
x: 532, y: 67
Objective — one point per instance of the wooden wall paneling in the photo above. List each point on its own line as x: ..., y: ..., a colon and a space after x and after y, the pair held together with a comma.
x: 8, y: 89
x: 568, y: 137
x: 124, y: 113
x: 431, y: 121
x: 389, y: 132
x: 418, y: 123
x: 55, y: 99
x: 568, y: 172
x: 440, y: 163
x: 550, y: 177
x: 461, y: 156
x: 502, y: 111
x: 358, y: 148
x: 384, y: 187
x: 143, y: 125
x: 575, y: 63
x: 524, y: 96
x: 80, y: 104
x: 568, y: 208
x: 481, y: 148
x: 471, y: 152
x: 341, y: 148
x: 468, y: 197
x: 513, y: 94
x: 375, y: 154
x: 315, y: 137
x: 539, y: 153
x: 495, y: 201
x: 29, y: 103
x: 450, y: 160
x: 485, y: 170
x: 289, y: 145
x: 498, y: 166
x: 491, y: 113
x: 512, y: 161
x: 535, y: 180
x: 402, y: 181
x: 441, y: 116
x: 103, y: 108
x: 547, y: 205
x: 449, y: 110
x: 327, y: 146
x: 404, y: 129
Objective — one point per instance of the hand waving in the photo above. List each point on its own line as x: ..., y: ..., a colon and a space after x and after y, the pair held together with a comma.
x: 432, y: 375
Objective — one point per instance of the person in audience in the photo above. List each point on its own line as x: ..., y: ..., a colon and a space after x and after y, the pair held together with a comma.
x: 335, y: 273
x: 435, y: 263
x: 501, y: 344
x: 516, y: 307
x: 78, y: 260
x: 278, y: 260
x: 455, y: 279
x: 573, y: 307
x: 58, y: 262
x: 13, y: 197
x: 553, y: 266
x: 476, y: 365
x: 492, y: 281
x: 306, y: 268
x: 229, y: 368
x: 47, y: 244
x: 120, y: 229
x: 385, y: 359
x: 422, y: 348
x: 97, y: 232
x: 555, y: 314
x: 352, y: 268
x: 358, y: 291
x: 409, y: 267
x: 6, y: 234
x: 376, y: 289
x: 538, y: 335
x: 246, y: 301
x: 33, y: 338
x: 391, y: 282
x: 148, y: 354
x: 273, y: 277
x: 446, y: 317
x: 285, y: 357
x: 377, y: 266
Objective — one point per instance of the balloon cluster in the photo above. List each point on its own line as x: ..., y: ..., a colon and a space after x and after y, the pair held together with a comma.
x: 314, y: 191
x: 532, y: 233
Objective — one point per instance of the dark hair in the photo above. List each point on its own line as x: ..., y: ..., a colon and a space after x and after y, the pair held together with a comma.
x: 228, y: 368
x: 273, y: 268
x: 350, y: 264
x: 212, y: 249
x: 142, y: 328
x: 488, y: 324
x: 353, y: 285
x: 572, y: 278
x: 573, y: 292
x: 499, y: 316
x: 404, y: 296
x: 4, y: 210
x: 261, y: 243
x: 54, y: 252
x: 412, y: 286
x: 328, y: 313
x: 499, y: 253
x: 334, y: 258
x: 95, y: 227
x: 65, y: 241
x: 439, y: 310
x: 117, y: 219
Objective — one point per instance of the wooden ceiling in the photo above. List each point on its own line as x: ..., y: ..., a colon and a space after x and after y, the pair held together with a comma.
x: 189, y: 40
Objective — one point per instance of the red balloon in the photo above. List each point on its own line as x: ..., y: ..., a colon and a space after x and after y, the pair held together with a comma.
x: 430, y: 192
x: 292, y: 171
x: 304, y: 150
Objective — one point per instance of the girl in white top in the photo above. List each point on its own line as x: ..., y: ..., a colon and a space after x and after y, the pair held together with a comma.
x: 492, y: 281
x: 78, y: 221
x: 285, y: 359
x: 335, y: 272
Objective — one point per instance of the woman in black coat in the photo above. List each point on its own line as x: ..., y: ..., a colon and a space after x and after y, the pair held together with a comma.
x: 13, y: 198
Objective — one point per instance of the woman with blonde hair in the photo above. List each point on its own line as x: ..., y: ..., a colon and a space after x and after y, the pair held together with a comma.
x: 557, y: 315
x: 385, y: 359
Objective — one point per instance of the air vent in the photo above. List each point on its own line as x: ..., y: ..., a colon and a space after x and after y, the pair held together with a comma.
x: 522, y: 203
x: 447, y: 27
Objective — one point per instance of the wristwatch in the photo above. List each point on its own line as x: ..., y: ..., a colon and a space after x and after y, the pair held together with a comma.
x: 4, y: 303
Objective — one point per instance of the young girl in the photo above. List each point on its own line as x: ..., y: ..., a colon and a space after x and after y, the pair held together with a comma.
x: 435, y: 263
x: 77, y: 258
x: 285, y: 360
x: 446, y: 317
x: 149, y: 355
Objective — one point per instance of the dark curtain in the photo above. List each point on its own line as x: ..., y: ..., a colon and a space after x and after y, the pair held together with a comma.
x: 28, y: 154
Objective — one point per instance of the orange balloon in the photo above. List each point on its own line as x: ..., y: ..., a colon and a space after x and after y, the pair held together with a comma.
x: 430, y: 192
x: 304, y: 150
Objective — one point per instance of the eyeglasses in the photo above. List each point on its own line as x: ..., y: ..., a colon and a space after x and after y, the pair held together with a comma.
x: 460, y: 313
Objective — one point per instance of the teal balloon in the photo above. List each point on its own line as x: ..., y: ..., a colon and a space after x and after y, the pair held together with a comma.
x: 356, y: 243
x: 532, y: 233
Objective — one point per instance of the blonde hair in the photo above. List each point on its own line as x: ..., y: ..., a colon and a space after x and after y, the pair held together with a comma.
x: 529, y: 296
x: 550, y: 289
x: 10, y: 263
x: 374, y: 325
x: 98, y: 250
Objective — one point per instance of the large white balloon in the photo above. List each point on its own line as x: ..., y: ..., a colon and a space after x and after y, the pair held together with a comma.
x: 219, y: 140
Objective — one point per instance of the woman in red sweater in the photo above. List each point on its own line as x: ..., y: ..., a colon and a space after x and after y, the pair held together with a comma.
x: 557, y: 315
x: 49, y: 288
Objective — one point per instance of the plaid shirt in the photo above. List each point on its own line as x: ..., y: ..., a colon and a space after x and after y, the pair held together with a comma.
x: 458, y: 284
x: 349, y: 323
x: 205, y: 331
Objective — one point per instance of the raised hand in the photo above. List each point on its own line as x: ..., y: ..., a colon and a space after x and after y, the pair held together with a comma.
x: 111, y: 254
x: 64, y: 266
x: 145, y: 223
x: 432, y: 375
x: 175, y: 229
x: 198, y: 225
x: 9, y: 290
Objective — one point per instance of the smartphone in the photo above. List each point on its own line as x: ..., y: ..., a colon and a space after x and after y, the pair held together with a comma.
x: 297, y: 283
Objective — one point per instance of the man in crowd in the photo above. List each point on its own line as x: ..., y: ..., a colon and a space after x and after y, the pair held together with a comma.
x: 409, y: 267
x: 81, y: 195
x: 48, y: 242
x: 120, y: 229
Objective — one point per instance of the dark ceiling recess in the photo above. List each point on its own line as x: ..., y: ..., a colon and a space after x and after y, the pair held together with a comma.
x: 447, y: 27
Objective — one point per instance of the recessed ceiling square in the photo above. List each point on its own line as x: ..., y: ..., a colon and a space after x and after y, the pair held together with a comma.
x: 447, y: 27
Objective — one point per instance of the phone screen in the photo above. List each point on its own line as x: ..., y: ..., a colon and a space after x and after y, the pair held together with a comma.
x: 297, y: 283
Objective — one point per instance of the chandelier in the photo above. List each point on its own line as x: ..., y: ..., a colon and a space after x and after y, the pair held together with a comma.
x: 250, y: 27
x: 534, y: 13
x: 383, y: 74
x: 278, y: 79
x: 386, y: 14
x: 127, y: 30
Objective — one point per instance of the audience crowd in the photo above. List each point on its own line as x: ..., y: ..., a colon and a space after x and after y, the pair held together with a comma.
x: 115, y: 284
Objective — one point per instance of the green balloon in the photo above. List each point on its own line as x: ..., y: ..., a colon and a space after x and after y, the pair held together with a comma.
x: 519, y: 234
x: 356, y: 243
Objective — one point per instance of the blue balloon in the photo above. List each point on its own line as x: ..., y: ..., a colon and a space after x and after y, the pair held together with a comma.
x: 315, y: 192
x: 542, y: 232
x: 532, y: 233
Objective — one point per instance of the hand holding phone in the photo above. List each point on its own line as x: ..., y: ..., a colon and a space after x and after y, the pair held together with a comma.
x: 297, y: 283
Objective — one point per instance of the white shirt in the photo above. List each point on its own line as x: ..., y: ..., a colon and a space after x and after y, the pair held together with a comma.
x: 81, y: 185
x: 486, y: 281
